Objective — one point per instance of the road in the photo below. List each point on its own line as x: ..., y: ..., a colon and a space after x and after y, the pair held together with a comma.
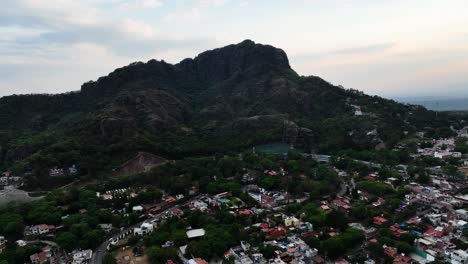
x: 98, y: 254
x: 47, y: 242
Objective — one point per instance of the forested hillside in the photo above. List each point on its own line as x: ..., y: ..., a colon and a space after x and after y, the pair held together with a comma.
x: 225, y: 99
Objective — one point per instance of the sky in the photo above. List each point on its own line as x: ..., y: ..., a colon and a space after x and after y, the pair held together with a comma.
x: 388, y: 48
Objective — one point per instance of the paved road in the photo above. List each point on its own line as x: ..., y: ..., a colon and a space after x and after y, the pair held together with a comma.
x: 47, y: 242
x: 99, y: 253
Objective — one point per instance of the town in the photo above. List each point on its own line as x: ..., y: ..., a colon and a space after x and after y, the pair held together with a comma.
x: 408, y: 206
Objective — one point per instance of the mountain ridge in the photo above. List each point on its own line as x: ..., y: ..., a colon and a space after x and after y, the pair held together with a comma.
x: 221, y: 100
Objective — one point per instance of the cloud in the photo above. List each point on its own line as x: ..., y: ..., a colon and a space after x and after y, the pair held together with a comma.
x: 353, y: 51
x: 380, y: 47
x: 136, y: 4
x: 75, y: 41
x: 212, y: 2
x: 64, y: 22
x: 183, y: 16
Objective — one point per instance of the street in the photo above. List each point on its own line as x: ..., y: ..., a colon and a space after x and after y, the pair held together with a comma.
x: 100, y: 251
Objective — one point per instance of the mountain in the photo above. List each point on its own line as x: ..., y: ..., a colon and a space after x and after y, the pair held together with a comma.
x: 224, y: 99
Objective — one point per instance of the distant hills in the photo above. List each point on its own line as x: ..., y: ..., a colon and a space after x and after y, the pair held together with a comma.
x: 440, y: 104
x: 223, y: 100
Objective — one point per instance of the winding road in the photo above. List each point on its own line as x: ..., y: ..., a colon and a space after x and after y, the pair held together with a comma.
x: 100, y: 251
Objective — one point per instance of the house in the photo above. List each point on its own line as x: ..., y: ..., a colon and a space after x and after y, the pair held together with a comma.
x: 170, y: 199
x: 291, y: 221
x: 379, y: 220
x: 42, y: 257
x: 275, y: 232
x: 244, y: 212
x: 197, y: 261
x: 200, y: 205
x: 56, y: 172
x: 459, y: 257
x: 390, y: 251
x: 222, y: 195
x: 41, y: 229
x: 195, y: 233
x: 137, y: 209
x: 325, y: 208
x: 397, y: 231
x: 379, y: 202
x: 442, y: 154
x: 401, y: 259
x: 461, y: 214
x: 82, y: 257
x: 434, y: 232
x: 20, y: 243
x: 72, y: 170
x: 144, y: 229
x: 106, y: 227
x: 2, y: 243
x: 38, y: 258
x: 341, y: 204
x: 177, y: 212
x: 267, y: 201
x: 413, y: 221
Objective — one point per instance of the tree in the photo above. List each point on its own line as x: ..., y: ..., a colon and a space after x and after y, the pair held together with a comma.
x: 403, y: 247
x: 313, y: 242
x: 92, y: 239
x: 108, y: 259
x: 67, y: 241
x: 385, y: 232
x: 178, y: 236
x: 337, y: 245
x: 337, y: 219
x: 158, y: 255
x: 334, y: 247
x: 267, y: 250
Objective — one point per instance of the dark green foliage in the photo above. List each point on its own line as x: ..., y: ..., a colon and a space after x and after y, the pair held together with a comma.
x: 67, y: 241
x: 158, y: 255
x: 336, y: 246
x: 108, y: 259
x: 227, y: 99
x: 373, y: 187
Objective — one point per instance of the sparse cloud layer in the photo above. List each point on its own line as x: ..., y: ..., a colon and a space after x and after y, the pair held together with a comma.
x: 381, y: 47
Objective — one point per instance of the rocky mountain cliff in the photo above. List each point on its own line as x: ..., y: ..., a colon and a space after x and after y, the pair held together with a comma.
x: 224, y: 99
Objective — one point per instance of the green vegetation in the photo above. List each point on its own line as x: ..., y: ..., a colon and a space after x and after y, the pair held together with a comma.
x: 171, y: 111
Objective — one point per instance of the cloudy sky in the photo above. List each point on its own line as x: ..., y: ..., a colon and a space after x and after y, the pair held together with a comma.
x: 389, y: 48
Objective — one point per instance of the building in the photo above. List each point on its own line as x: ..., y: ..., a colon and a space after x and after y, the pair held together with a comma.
x: 106, y: 227
x: 38, y: 258
x: 42, y: 257
x: 137, y: 209
x: 41, y: 229
x: 459, y: 257
x: 56, y: 172
x: 379, y: 220
x: 195, y: 233
x: 144, y: 229
x: 291, y: 221
x: 2, y: 243
x: 82, y: 257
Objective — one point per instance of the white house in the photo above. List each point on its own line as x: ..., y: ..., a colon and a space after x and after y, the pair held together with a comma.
x: 81, y: 257
x: 137, y: 209
x: 459, y: 257
x: 194, y: 233
x: 144, y: 229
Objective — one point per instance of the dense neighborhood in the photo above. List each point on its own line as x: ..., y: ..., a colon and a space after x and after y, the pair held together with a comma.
x: 256, y: 208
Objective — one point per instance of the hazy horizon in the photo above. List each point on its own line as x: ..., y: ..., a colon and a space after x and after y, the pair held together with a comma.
x: 397, y: 49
